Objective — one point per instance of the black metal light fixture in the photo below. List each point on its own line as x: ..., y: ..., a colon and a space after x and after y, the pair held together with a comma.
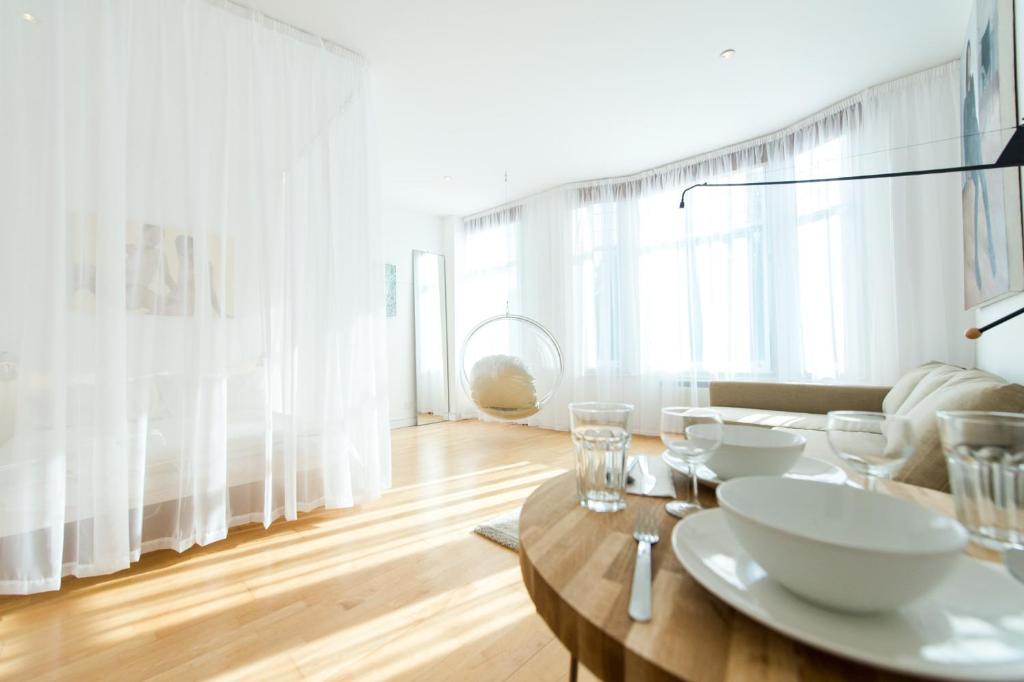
x: 1012, y: 156
x: 976, y: 332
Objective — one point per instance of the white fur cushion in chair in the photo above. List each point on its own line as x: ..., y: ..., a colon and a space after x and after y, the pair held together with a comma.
x: 501, y: 386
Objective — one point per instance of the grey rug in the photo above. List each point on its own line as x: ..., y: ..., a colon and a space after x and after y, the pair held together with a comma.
x: 502, y: 529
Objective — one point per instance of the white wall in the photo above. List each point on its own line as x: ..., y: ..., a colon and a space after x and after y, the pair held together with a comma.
x: 405, y: 231
x: 1001, y: 350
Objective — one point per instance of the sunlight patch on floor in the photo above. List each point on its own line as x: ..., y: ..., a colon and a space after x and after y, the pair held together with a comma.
x: 398, y: 588
x: 472, y: 612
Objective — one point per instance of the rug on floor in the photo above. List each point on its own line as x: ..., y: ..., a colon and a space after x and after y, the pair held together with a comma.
x: 502, y: 529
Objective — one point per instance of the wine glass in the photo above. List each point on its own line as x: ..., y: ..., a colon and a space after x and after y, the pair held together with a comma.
x: 691, y: 436
x: 874, y: 444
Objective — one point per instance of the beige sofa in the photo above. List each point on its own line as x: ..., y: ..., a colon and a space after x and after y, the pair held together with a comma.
x: 918, y: 394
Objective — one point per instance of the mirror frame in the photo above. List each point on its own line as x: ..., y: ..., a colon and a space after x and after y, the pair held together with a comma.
x: 416, y: 253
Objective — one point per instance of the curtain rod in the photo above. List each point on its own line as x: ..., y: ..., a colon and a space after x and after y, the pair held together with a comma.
x: 233, y: 5
x: 750, y: 143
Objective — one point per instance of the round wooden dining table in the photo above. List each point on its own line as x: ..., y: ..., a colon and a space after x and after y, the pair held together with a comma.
x: 578, y: 568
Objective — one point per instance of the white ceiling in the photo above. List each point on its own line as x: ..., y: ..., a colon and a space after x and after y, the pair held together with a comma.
x: 562, y: 90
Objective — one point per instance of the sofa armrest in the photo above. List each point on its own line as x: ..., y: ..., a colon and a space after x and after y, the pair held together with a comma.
x: 810, y: 398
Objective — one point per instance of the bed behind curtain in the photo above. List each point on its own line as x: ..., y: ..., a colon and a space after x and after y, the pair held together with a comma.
x: 190, y: 279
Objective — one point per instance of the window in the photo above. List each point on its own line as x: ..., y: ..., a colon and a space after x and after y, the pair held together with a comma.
x: 491, y: 270
x: 819, y: 226
x: 688, y: 286
x: 747, y: 282
x: 599, y: 284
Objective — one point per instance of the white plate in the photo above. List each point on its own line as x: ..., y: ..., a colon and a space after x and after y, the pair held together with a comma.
x: 970, y: 628
x: 807, y: 468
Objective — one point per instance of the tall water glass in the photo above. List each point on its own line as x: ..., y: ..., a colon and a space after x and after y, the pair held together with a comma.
x: 600, y: 436
x: 985, y: 456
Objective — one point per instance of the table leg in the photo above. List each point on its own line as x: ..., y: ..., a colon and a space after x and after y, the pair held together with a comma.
x: 574, y: 668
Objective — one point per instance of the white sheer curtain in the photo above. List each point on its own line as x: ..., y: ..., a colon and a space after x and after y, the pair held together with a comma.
x: 190, y: 282
x: 839, y: 282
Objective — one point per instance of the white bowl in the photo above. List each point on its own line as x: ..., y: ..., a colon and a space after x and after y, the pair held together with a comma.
x: 838, y: 546
x: 751, y: 450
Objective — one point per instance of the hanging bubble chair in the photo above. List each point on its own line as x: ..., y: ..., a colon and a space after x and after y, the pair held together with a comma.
x: 511, y: 366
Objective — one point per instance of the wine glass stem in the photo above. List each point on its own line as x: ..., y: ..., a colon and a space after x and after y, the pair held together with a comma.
x: 693, y: 483
x: 871, y: 483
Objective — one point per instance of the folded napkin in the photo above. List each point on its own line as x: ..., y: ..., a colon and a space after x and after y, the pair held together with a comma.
x: 651, y: 477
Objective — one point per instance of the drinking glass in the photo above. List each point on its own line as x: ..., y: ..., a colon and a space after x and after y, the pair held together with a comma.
x: 600, y: 436
x: 874, y: 444
x: 691, y: 436
x: 985, y: 456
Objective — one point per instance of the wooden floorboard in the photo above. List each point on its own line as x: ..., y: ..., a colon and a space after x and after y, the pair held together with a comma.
x: 397, y: 589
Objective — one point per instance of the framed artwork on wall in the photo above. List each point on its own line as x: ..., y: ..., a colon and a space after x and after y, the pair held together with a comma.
x: 163, y: 274
x: 991, y: 200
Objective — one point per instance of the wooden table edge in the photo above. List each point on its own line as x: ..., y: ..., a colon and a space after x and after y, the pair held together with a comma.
x: 612, y: 657
x: 567, y: 631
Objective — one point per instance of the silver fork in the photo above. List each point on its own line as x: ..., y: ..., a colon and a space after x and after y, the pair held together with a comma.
x: 646, y: 534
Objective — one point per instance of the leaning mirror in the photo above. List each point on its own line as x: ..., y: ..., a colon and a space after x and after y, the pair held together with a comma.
x: 431, y: 339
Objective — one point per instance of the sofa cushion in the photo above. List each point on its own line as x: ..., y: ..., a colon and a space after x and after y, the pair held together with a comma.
x: 817, y: 446
x: 949, y: 388
x: 772, y: 418
x: 937, y: 377
x: 906, y: 384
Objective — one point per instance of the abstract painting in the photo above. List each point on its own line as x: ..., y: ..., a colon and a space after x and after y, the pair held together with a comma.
x: 161, y: 270
x: 993, y: 258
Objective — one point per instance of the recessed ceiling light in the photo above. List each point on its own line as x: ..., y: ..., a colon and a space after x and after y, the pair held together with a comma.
x: 30, y: 18
x: 727, y: 54
x: 447, y: 178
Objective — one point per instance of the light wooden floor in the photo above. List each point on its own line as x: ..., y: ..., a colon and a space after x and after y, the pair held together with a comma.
x: 398, y: 589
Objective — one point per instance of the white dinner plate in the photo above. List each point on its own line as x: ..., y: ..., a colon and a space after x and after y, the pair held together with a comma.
x: 807, y: 468
x: 970, y: 628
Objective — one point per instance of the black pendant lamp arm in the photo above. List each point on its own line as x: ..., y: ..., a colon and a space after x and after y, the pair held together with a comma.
x: 1011, y: 156
x: 976, y: 332
x: 844, y: 178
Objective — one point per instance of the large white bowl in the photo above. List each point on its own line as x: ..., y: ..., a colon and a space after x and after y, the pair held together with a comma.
x: 838, y: 546
x: 750, y: 450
